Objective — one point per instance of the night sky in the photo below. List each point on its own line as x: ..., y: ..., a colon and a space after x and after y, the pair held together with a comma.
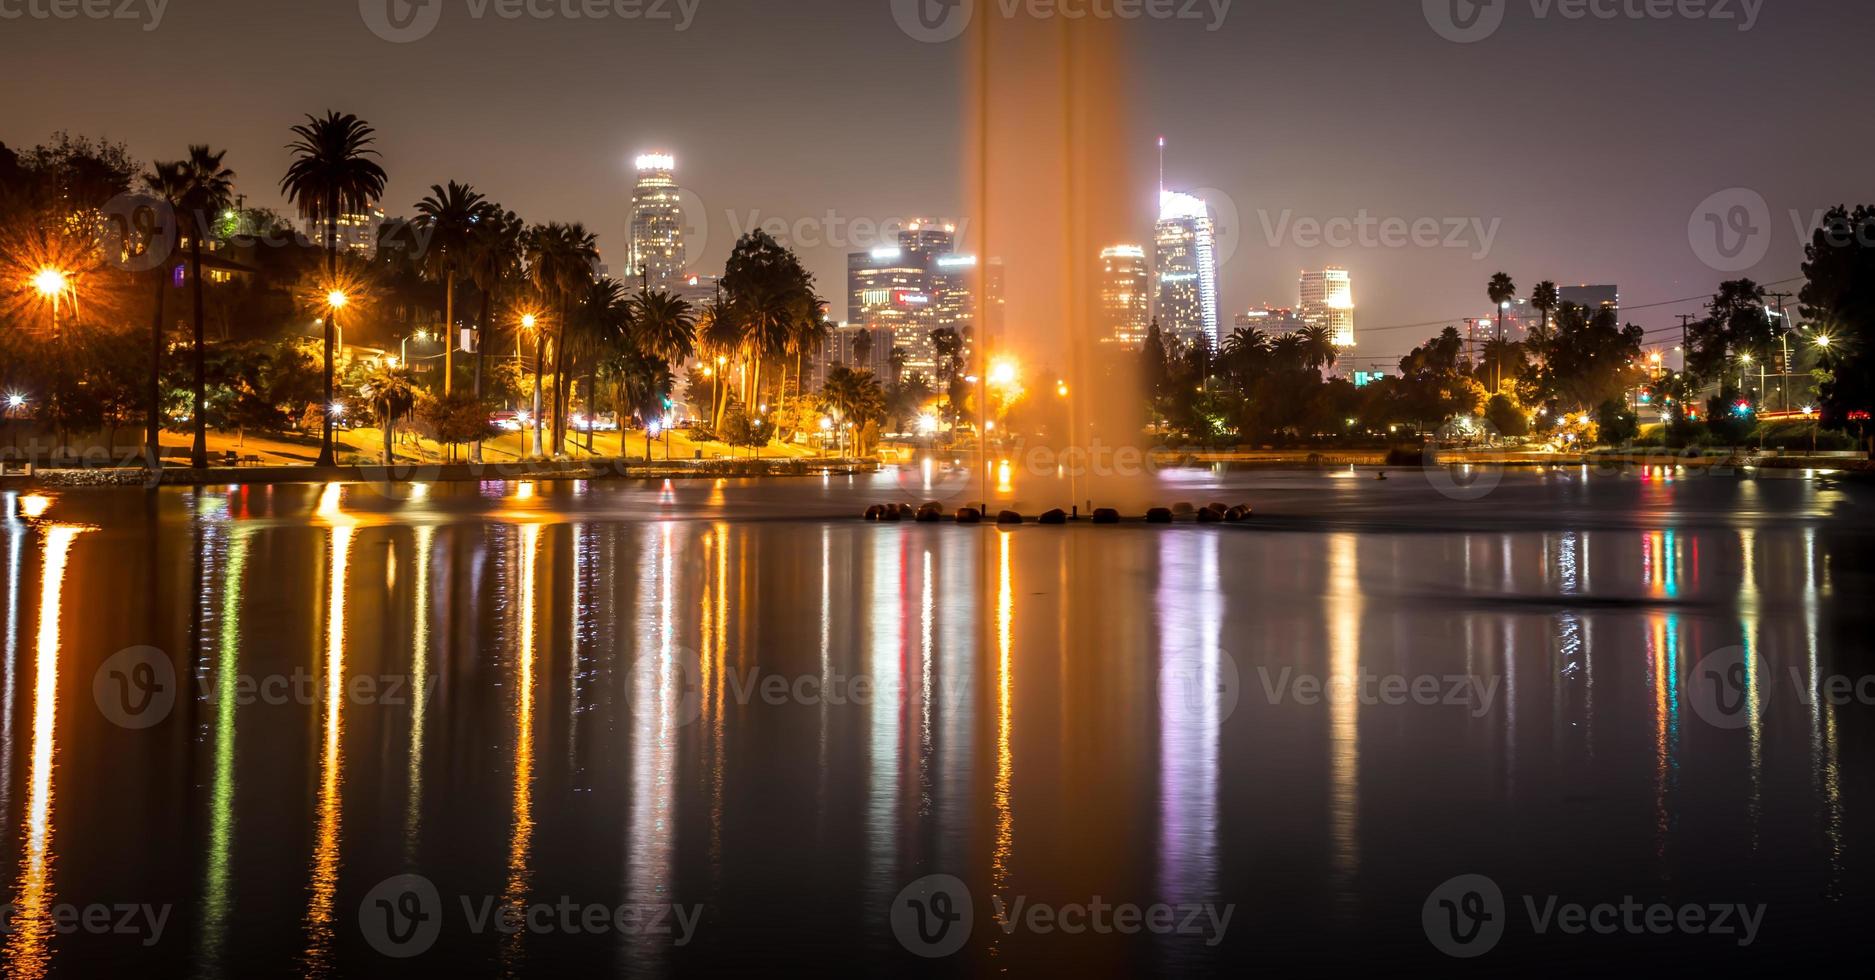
x: 1589, y: 143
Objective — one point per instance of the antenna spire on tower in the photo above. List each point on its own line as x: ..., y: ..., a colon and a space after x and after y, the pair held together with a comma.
x: 1161, y: 165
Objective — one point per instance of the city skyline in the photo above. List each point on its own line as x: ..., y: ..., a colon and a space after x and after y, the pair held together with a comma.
x: 1268, y: 151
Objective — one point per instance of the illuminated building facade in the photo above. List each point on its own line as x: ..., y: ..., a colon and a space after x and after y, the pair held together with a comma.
x: 657, y: 224
x: 1271, y: 321
x: 914, y: 288
x: 358, y: 232
x: 1187, y: 268
x: 1327, y: 300
x: 1125, y: 296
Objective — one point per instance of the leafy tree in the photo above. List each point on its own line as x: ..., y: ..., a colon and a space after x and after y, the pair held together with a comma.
x: 1736, y: 324
x: 1506, y: 416
x: 1618, y: 424
x: 1839, y: 300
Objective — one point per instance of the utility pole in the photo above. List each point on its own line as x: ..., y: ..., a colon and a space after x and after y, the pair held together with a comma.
x: 1784, y: 365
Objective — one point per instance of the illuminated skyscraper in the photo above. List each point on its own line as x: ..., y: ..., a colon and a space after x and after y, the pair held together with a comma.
x: 657, y: 232
x: 1125, y: 297
x: 1327, y: 300
x: 913, y: 288
x: 1187, y: 268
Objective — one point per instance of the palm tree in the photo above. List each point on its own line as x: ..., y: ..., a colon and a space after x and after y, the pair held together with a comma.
x: 205, y: 190
x: 807, y: 332
x: 854, y: 396
x: 719, y: 338
x: 665, y: 326
x: 1319, y: 347
x: 165, y: 181
x: 1290, y: 351
x: 644, y: 384
x: 1546, y: 298
x: 392, y: 394
x: 332, y: 173
x: 1501, y: 290
x: 601, y: 325
x: 493, y: 258
x: 560, y: 260
x: 450, y: 216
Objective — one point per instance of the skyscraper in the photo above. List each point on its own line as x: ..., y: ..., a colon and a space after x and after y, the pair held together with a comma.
x: 1125, y: 300
x: 1327, y: 300
x: 1187, y: 268
x: 657, y: 230
x: 913, y: 288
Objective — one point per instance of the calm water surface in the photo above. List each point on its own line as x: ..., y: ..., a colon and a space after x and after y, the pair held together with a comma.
x: 244, y: 709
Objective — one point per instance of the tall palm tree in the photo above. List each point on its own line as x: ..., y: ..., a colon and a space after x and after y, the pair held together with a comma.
x: 665, y: 326
x: 1502, y: 290
x: 493, y: 258
x: 601, y: 325
x: 719, y: 338
x: 392, y: 394
x: 806, y: 333
x: 1290, y: 351
x: 165, y: 181
x: 1319, y: 344
x: 1546, y: 298
x: 450, y: 216
x: 332, y: 172
x: 560, y: 260
x: 206, y: 189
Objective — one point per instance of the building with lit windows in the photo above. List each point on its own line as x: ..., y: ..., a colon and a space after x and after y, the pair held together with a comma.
x: 657, y: 224
x: 916, y: 287
x: 1592, y: 298
x: 1271, y: 321
x: 1187, y: 268
x: 1125, y: 296
x: 1327, y: 300
x: 358, y: 232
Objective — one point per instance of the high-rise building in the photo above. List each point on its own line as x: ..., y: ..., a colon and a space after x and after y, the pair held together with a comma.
x: 1187, y: 268
x: 1327, y: 300
x: 358, y: 231
x: 657, y: 226
x: 1592, y: 298
x: 914, y: 288
x: 1125, y: 297
x: 1271, y: 321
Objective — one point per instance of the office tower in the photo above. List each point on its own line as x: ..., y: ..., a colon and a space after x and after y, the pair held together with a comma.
x: 657, y: 224
x: 1327, y: 300
x: 1125, y: 299
x: 1187, y: 268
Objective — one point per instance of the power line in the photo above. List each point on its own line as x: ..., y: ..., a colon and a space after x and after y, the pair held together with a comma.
x: 1450, y: 321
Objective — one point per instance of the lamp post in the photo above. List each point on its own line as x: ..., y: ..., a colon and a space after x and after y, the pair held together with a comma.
x: 335, y: 345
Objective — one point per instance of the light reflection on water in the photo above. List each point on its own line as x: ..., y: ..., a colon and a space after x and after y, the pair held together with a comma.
x: 1025, y: 737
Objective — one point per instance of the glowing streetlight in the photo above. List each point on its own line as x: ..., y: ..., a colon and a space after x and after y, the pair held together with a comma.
x: 528, y: 321
x: 16, y: 401
x: 337, y: 299
x: 1003, y: 373
x: 1061, y: 389
x: 1824, y: 340
x: 51, y: 283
